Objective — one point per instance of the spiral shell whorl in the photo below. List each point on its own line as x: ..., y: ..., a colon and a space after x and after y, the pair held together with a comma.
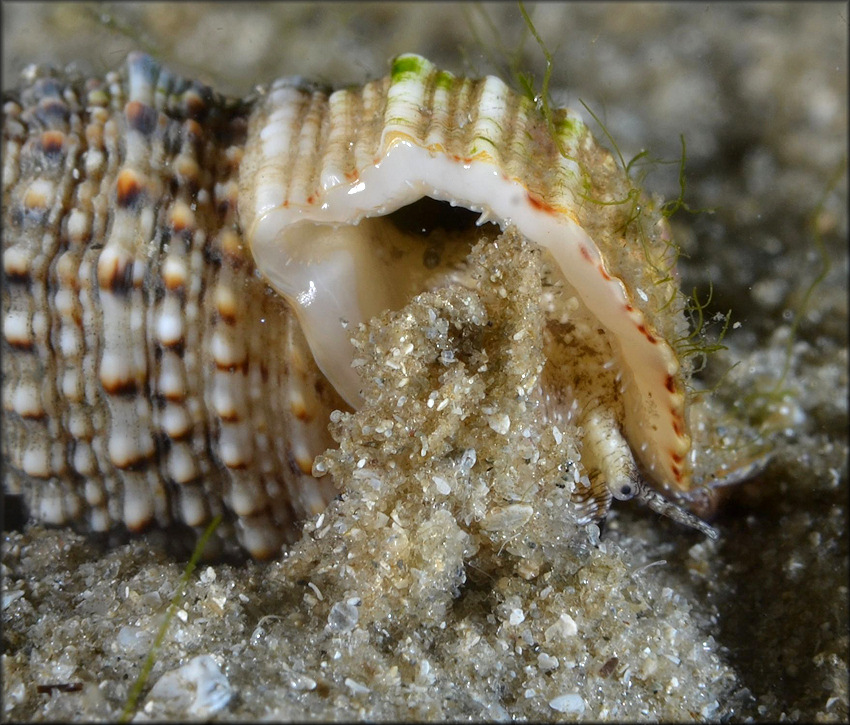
x: 146, y: 368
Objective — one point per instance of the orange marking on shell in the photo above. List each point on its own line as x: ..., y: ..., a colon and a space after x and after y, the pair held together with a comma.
x: 299, y: 410
x: 52, y: 142
x: 141, y: 117
x: 670, y: 384
x: 119, y: 386
x: 240, y: 366
x: 231, y: 247
x: 174, y: 280
x: 115, y: 273
x: 230, y: 415
x: 139, y: 527
x: 192, y: 130
x: 35, y: 197
x: 66, y: 271
x: 226, y: 305
x: 604, y: 274
x: 239, y: 465
x: 181, y: 218
x: 305, y: 465
x: 541, y: 205
x: 130, y: 187
x: 19, y: 343
x: 33, y: 415
x: 16, y: 264
x: 646, y: 333
x: 187, y: 168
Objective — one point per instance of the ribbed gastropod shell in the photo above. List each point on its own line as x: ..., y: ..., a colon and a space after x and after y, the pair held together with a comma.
x: 323, y: 173
x: 152, y: 375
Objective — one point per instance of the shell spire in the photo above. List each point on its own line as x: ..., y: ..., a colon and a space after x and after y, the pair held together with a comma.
x: 148, y: 376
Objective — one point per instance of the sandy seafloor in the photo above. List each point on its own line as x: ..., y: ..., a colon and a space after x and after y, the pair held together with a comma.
x: 649, y: 622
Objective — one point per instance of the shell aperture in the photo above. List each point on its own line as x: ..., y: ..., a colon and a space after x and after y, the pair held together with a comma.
x: 321, y: 172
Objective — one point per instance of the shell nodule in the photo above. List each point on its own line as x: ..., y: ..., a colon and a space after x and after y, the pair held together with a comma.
x: 150, y: 377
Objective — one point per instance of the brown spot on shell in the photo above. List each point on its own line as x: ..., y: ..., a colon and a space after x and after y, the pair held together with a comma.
x: 141, y: 118
x: 137, y: 527
x: 647, y: 334
x: 115, y: 273
x: 119, y: 386
x: 539, y: 204
x: 187, y: 169
x: 130, y: 186
x: 236, y: 465
x: 140, y: 462
x: 16, y: 265
x: 300, y: 411
x: 17, y: 331
x: 229, y: 415
x: 174, y: 277
x: 52, y: 143
x: 37, y: 196
x: 176, y: 344
x: 181, y: 217
x: 232, y: 367
x: 300, y: 464
x: 192, y: 130
x: 226, y: 305
x: 194, y: 104
x: 232, y: 248
x: 174, y: 396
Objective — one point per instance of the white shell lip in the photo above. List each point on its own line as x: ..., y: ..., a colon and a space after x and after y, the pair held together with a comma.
x: 323, y: 166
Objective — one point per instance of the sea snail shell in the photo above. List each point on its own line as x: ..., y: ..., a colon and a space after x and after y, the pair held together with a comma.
x: 148, y: 373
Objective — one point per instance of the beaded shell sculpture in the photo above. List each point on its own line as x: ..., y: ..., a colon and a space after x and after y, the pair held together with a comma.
x: 183, y: 271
